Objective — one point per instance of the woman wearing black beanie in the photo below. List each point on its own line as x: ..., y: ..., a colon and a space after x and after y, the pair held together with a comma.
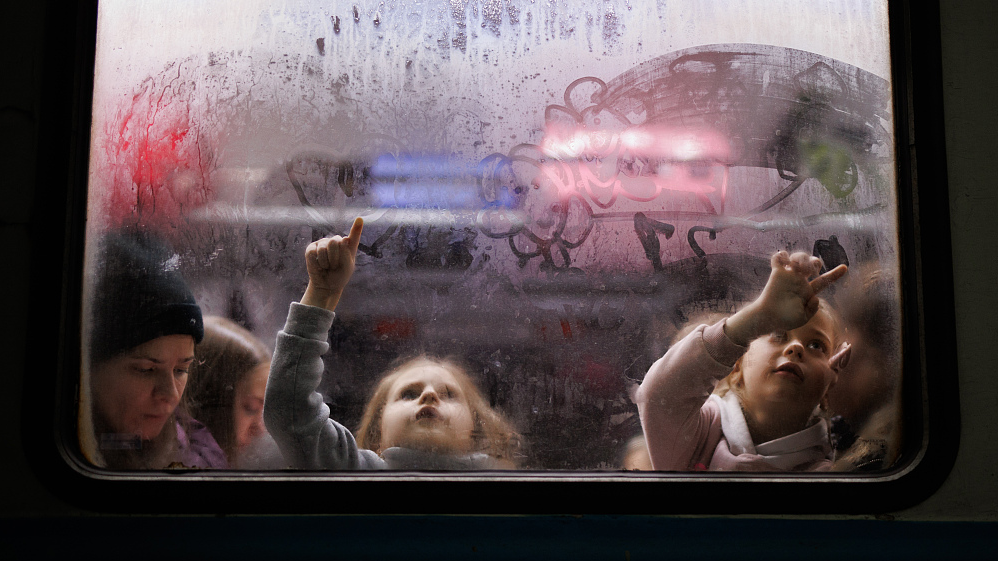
x: 144, y: 325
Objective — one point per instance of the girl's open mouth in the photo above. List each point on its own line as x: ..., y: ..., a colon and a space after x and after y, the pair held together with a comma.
x: 427, y: 412
x: 791, y: 368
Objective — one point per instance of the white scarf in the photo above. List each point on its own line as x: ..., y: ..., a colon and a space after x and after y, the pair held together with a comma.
x: 787, y: 452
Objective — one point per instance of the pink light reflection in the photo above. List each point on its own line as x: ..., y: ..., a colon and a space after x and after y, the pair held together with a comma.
x: 638, y: 163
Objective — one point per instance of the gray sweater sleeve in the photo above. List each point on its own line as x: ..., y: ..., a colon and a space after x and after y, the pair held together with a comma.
x: 294, y: 412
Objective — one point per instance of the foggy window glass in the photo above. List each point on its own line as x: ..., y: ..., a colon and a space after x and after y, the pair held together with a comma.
x: 554, y: 194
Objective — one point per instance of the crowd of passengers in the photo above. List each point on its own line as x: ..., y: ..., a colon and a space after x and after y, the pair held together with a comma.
x: 792, y: 381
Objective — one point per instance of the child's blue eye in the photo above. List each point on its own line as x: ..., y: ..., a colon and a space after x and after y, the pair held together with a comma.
x: 816, y: 345
x: 409, y: 394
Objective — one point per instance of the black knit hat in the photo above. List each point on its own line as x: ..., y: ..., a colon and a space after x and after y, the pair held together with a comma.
x: 139, y: 295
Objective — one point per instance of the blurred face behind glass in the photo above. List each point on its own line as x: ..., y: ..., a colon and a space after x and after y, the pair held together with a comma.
x: 247, y: 409
x: 427, y: 410
x: 137, y: 391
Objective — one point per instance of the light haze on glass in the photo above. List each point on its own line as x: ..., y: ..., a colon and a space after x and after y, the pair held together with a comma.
x: 552, y: 191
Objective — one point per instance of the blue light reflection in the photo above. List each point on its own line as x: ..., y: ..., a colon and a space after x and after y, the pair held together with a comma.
x: 426, y: 181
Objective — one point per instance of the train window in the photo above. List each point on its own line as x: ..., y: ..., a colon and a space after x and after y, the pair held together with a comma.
x: 593, y: 240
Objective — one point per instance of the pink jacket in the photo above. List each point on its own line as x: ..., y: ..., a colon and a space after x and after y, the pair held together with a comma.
x: 688, y: 429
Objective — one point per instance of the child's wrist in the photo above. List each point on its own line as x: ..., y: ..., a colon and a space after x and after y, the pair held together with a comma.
x: 321, y: 297
x: 745, y: 325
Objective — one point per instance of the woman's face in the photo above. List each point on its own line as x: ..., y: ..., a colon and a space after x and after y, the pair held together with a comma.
x: 137, y: 391
x: 427, y: 410
x: 247, y: 410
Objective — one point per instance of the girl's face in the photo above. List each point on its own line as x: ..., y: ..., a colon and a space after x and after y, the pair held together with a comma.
x: 247, y: 408
x: 792, y: 368
x: 426, y: 409
x: 137, y: 392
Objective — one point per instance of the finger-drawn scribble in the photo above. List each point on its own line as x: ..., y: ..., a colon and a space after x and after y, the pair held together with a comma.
x: 671, y: 132
x: 648, y: 231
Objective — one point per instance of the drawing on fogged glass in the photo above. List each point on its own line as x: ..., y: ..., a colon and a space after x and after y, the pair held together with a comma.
x: 602, y: 237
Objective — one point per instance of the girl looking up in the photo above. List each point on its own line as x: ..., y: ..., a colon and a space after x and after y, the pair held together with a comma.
x: 778, y: 356
x: 426, y: 413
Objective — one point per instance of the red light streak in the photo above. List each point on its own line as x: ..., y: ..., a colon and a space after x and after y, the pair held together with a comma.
x: 156, y: 165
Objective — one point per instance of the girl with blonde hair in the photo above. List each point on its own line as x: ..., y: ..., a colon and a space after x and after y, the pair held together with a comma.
x: 426, y: 413
x: 778, y: 357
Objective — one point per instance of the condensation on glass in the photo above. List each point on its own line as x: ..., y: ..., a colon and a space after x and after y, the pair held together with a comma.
x: 552, y: 191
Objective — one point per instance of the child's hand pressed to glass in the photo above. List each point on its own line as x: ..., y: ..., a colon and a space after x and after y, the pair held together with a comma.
x: 788, y: 301
x: 793, y: 356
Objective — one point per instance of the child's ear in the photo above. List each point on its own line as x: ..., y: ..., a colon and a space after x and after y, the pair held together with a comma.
x: 735, y: 377
x: 837, y: 362
x: 737, y: 366
x: 841, y: 358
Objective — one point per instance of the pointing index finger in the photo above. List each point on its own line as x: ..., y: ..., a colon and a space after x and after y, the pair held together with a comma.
x: 353, y: 240
x: 822, y: 282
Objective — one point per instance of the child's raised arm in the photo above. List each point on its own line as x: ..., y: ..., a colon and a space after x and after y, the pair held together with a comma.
x: 682, y: 431
x: 294, y: 411
x: 330, y: 263
x: 788, y: 301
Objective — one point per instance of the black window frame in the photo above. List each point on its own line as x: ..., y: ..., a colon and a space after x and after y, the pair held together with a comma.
x: 51, y: 384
